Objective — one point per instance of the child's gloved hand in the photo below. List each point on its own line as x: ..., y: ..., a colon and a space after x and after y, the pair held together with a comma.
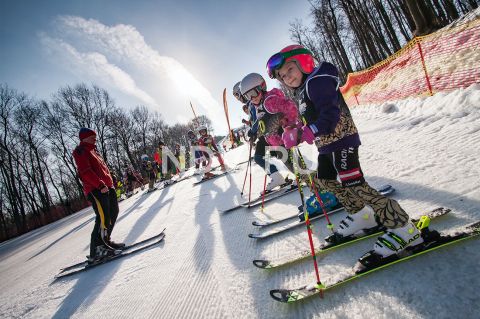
x: 290, y: 137
x: 307, y: 135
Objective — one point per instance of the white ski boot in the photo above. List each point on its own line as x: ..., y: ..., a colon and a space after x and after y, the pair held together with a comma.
x: 396, y: 240
x: 352, y: 224
x: 276, y: 179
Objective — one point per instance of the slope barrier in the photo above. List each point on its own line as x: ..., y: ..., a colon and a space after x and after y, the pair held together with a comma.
x: 439, y: 62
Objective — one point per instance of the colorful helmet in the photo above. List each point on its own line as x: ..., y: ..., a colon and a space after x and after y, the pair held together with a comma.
x: 237, y: 93
x: 251, y: 85
x: 191, y: 135
x: 298, y: 53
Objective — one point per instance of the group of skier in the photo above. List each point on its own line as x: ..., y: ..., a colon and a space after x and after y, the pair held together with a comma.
x: 318, y: 114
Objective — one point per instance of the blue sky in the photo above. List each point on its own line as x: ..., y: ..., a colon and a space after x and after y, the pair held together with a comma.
x: 161, y: 54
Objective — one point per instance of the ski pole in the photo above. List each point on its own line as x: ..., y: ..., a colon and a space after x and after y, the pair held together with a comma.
x: 246, y: 171
x: 314, y: 189
x: 263, y: 194
x: 250, y: 186
x: 250, y: 168
x: 319, y: 285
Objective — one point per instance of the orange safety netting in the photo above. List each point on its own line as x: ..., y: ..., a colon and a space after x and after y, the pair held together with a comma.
x: 445, y: 60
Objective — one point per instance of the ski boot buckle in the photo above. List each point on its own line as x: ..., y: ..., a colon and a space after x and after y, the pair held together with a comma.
x: 423, y: 222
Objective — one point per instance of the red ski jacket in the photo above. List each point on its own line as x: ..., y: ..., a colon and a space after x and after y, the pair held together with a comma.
x: 91, y: 168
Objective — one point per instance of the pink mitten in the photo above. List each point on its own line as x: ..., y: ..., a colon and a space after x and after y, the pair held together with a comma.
x: 307, y: 135
x: 290, y: 137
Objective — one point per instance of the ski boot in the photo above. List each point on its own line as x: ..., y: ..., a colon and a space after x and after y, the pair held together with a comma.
x: 394, y: 244
x: 113, y: 244
x: 395, y: 241
x: 208, y: 175
x: 168, y: 182
x: 362, y: 221
x: 102, y: 252
x: 276, y: 179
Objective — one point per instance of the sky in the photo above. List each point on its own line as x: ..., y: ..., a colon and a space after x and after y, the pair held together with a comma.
x: 161, y: 54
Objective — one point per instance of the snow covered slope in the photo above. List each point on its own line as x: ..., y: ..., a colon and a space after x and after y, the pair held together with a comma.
x: 427, y: 148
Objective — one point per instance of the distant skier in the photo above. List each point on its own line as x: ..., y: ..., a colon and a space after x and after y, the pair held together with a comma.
x: 207, y: 140
x: 328, y: 121
x: 151, y: 171
x: 197, y: 154
x: 131, y: 180
x: 178, y: 155
x: 99, y: 189
x: 170, y: 168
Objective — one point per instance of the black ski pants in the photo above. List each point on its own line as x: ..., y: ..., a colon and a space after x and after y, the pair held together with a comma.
x: 105, y: 206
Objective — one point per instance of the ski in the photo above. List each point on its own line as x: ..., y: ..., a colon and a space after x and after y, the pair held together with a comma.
x: 85, y: 266
x: 298, y: 223
x: 210, y: 178
x: 268, y: 264
x: 436, y: 241
x: 231, y: 170
x: 241, y: 163
x: 384, y: 190
x: 287, y: 189
x: 148, y: 191
x: 126, y: 248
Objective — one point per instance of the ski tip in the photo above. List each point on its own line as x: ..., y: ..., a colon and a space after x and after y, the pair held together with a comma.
x: 252, y: 235
x: 259, y: 223
x: 231, y: 209
x: 281, y: 295
x: 261, y: 263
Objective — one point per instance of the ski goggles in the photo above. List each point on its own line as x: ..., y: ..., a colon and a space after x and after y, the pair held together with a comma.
x: 277, y: 60
x: 249, y: 95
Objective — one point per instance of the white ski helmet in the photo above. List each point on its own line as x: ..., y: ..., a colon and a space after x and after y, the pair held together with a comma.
x: 252, y: 81
x: 238, y: 94
x: 202, y: 128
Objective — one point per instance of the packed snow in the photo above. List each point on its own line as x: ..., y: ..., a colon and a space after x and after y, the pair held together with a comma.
x: 427, y: 148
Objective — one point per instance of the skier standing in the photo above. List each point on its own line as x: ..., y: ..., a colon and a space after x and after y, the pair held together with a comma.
x: 197, y: 154
x: 267, y: 107
x: 151, y: 171
x: 328, y: 120
x: 207, y: 140
x: 99, y: 189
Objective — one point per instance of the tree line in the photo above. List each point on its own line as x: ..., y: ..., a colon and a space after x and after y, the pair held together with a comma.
x: 38, y: 178
x: 356, y: 34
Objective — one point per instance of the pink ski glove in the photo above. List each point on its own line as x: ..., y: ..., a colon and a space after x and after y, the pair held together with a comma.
x: 290, y: 137
x: 307, y: 135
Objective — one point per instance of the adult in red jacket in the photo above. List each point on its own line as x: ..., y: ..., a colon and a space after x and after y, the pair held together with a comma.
x: 100, y: 191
